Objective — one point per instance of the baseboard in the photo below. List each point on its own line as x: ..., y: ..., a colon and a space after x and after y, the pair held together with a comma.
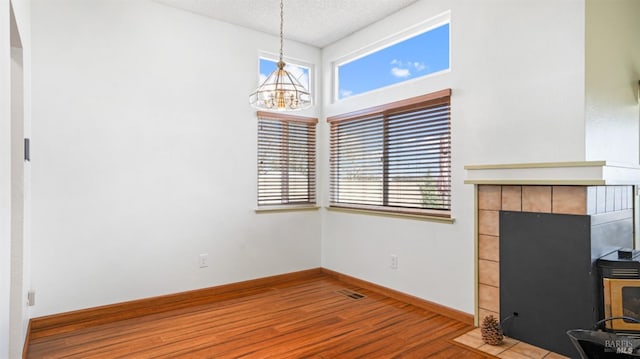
x: 463, y: 317
x: 27, y: 339
x: 70, y: 321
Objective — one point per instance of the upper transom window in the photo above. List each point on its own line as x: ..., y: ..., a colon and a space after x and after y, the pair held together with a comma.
x: 300, y: 72
x: 419, y: 55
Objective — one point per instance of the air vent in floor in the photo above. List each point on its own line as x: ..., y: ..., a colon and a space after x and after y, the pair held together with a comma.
x: 351, y: 294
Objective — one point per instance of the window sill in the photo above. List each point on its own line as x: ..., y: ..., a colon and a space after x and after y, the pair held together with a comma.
x: 287, y: 208
x: 373, y: 212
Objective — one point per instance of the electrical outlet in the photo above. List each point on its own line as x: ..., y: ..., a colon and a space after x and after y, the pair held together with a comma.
x: 203, y: 260
x: 394, y: 261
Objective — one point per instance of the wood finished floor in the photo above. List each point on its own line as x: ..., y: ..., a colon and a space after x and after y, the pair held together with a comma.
x: 303, y: 319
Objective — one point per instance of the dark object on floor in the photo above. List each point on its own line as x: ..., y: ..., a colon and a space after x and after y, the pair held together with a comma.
x: 592, y: 344
x: 491, y: 331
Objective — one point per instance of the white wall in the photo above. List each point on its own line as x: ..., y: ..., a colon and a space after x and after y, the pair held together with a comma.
x: 518, y: 96
x: 144, y: 149
x: 612, y: 75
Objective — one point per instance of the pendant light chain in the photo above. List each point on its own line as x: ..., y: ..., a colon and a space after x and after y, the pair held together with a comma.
x: 281, y: 28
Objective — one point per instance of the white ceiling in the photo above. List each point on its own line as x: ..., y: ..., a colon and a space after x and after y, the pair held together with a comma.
x: 314, y: 22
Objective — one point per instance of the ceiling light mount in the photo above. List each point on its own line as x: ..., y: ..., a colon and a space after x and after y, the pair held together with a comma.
x: 281, y: 91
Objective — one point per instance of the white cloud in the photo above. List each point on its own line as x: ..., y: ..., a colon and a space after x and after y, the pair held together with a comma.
x: 345, y: 93
x: 402, y: 73
x: 402, y: 69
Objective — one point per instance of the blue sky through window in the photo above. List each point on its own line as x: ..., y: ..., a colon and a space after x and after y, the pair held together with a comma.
x: 418, y: 56
x: 299, y: 72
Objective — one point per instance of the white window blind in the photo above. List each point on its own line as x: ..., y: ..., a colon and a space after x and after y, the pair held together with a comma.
x: 286, y: 159
x: 395, y: 157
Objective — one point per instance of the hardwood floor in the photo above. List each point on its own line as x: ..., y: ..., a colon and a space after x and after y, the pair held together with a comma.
x: 301, y: 319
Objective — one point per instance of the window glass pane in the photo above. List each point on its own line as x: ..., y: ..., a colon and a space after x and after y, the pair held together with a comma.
x: 286, y: 161
x: 298, y: 161
x: 397, y: 158
x: 269, y: 162
x: 418, y: 56
x: 631, y: 302
x: 358, y: 168
x: 301, y: 73
x: 419, y: 165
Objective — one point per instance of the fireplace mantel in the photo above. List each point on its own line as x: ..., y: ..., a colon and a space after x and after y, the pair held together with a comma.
x: 582, y: 173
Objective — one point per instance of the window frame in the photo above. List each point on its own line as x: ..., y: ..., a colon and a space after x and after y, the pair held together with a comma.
x: 413, y: 31
x: 415, y: 103
x: 293, y: 62
x: 286, y: 203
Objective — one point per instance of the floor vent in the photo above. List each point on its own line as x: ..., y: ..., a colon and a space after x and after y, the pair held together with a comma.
x: 351, y: 294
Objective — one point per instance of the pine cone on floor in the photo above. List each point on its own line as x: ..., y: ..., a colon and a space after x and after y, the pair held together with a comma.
x: 491, y: 331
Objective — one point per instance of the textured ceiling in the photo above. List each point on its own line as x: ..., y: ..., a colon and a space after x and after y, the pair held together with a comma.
x: 314, y: 22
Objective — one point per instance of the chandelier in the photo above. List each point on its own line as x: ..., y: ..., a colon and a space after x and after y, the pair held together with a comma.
x: 280, y: 91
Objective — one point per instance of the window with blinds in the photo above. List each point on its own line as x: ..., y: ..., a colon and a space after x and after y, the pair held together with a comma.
x: 286, y: 159
x: 395, y: 157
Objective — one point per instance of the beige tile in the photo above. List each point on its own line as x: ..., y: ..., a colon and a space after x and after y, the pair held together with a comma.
x: 492, y: 349
x: 471, y: 339
x: 475, y: 333
x: 489, y: 197
x: 488, y: 272
x: 569, y: 199
x: 489, y: 297
x: 497, y: 349
x: 482, y: 313
x: 529, y: 350
x: 552, y: 355
x: 510, y: 354
x: 488, y: 222
x: 510, y: 341
x: 489, y: 247
x: 536, y: 199
x: 511, y: 198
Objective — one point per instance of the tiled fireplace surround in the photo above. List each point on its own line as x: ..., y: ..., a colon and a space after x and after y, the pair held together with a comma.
x: 583, y: 200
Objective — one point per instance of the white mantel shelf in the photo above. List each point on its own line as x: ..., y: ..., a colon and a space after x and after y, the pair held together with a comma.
x: 583, y: 173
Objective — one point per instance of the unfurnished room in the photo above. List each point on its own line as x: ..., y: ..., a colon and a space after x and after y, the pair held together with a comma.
x: 319, y: 179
